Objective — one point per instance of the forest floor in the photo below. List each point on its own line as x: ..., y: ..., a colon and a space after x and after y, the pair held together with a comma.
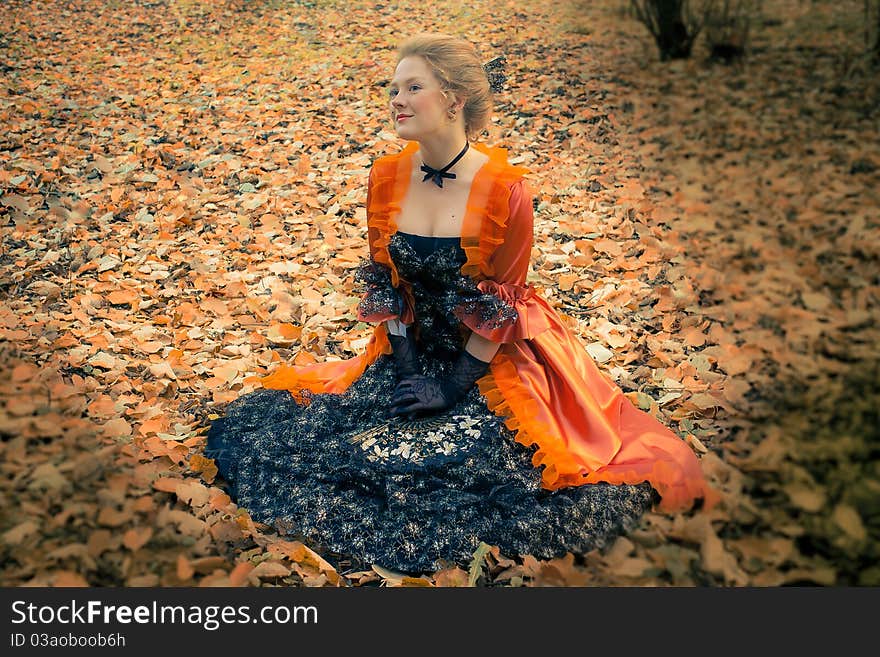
x: 183, y: 188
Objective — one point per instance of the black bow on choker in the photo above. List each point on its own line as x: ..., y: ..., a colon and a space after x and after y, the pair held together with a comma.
x: 439, y: 174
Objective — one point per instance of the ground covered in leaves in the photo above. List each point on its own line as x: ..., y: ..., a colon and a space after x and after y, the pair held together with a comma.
x: 183, y: 188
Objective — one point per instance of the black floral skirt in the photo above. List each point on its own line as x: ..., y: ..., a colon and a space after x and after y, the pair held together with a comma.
x: 411, y: 496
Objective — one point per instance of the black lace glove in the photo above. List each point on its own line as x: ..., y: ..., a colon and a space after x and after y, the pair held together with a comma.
x: 418, y: 394
x: 405, y: 354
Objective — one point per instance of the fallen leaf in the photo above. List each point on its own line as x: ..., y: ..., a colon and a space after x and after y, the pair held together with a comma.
x: 449, y: 577
x: 185, y: 571
x: 134, y: 539
x: 849, y: 520
x: 266, y: 569
x: 808, y: 498
x: 20, y: 532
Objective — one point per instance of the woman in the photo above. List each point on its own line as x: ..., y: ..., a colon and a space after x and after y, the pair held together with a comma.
x: 474, y: 414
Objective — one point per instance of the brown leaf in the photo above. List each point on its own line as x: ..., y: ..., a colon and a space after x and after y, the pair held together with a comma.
x: 20, y: 532
x: 167, y: 484
x: 268, y: 569
x: 134, y: 539
x: 240, y: 574
x: 118, y: 297
x: 187, y: 523
x: 192, y: 492
x: 111, y: 517
x: 47, y: 476
x: 389, y: 577
x: 68, y: 579
x: 304, y: 555
x: 101, y: 540
x: 849, y: 520
x: 808, y: 498
x: 632, y: 567
x: 453, y: 576
x: 185, y: 570
x: 416, y: 582
x: 561, y: 572
x: 203, y: 565
x: 205, y: 466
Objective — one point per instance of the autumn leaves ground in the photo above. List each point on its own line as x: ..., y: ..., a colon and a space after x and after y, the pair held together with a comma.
x: 183, y: 189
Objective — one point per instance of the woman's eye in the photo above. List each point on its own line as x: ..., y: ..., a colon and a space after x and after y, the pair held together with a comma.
x: 413, y: 87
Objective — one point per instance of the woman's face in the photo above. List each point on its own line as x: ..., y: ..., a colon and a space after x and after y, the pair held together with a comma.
x: 418, y: 105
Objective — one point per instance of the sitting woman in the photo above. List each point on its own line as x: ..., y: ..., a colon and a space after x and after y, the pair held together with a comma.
x: 474, y: 413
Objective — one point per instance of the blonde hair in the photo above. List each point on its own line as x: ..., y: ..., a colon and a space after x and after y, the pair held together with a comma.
x: 457, y: 66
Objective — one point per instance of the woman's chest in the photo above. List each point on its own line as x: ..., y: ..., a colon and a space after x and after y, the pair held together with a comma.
x: 434, y: 211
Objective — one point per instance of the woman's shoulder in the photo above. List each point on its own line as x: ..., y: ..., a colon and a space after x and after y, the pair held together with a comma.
x: 500, y: 168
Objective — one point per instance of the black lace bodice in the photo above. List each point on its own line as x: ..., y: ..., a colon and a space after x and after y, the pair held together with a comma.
x: 431, y: 267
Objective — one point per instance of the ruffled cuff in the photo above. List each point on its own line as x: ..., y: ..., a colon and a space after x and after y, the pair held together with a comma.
x: 379, y: 298
x: 524, y: 313
x: 483, y: 312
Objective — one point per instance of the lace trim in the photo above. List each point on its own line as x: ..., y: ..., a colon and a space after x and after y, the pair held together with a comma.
x: 380, y: 300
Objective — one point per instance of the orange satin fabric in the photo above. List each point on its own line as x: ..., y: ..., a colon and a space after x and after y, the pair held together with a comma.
x: 542, y: 380
x: 329, y: 376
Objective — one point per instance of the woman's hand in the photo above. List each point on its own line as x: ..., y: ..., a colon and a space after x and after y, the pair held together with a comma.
x: 418, y: 394
x: 423, y: 393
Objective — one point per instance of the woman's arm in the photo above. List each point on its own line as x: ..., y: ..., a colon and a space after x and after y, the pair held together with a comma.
x: 482, y: 348
x: 510, y: 263
x: 506, y: 279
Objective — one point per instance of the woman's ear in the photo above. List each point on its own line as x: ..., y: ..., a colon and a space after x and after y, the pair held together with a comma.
x: 455, y: 102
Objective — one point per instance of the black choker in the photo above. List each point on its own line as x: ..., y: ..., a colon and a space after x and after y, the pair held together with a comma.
x: 439, y: 174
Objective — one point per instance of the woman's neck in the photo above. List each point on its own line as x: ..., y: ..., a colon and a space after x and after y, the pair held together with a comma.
x: 439, y: 151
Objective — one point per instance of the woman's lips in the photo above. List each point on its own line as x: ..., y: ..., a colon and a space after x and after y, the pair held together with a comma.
x: 403, y: 117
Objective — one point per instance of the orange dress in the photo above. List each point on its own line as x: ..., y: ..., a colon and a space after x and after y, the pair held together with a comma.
x: 541, y: 381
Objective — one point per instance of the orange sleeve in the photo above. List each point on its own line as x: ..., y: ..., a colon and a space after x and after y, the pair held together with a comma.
x: 372, y: 229
x: 381, y: 300
x: 509, y: 265
x: 510, y: 262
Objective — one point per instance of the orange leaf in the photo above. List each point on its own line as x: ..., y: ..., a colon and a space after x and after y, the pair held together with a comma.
x: 167, y: 484
x: 239, y: 575
x: 24, y: 372
x: 134, y: 539
x: 451, y: 577
x: 205, y: 466
x: 123, y: 296
x: 220, y: 500
x: 185, y: 570
x: 694, y: 337
x: 270, y: 569
x: 103, y: 406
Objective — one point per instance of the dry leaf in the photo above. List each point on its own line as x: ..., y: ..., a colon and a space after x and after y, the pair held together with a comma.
x: 135, y: 539
x: 268, y: 569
